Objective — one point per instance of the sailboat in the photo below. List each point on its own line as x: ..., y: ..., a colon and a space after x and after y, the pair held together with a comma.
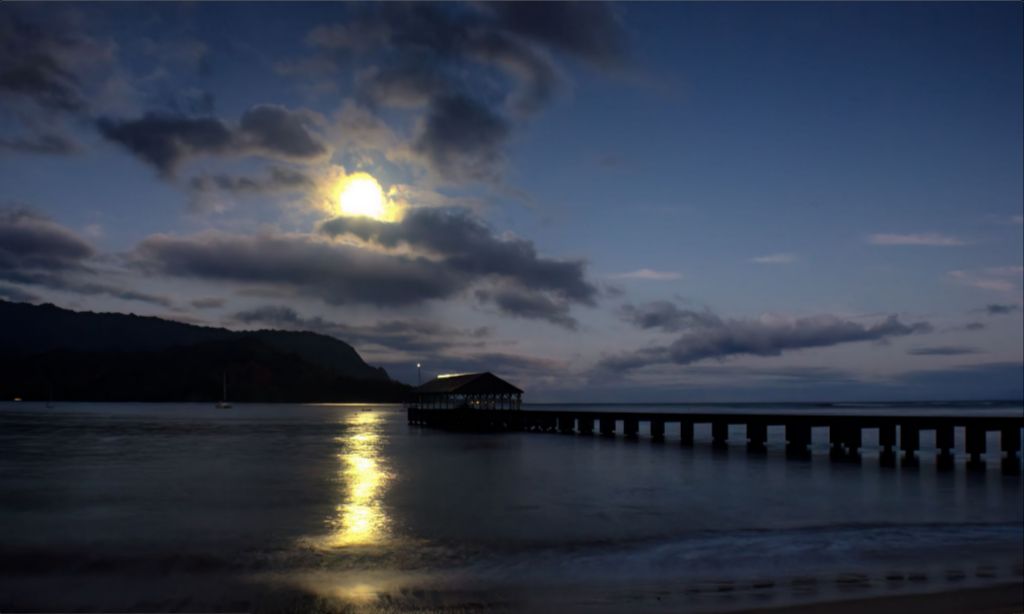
x: 223, y: 403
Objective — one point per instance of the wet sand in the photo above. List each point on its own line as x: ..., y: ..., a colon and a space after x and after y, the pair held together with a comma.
x: 1001, y: 599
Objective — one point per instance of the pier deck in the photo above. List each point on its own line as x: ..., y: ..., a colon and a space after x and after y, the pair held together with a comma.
x: 896, y: 432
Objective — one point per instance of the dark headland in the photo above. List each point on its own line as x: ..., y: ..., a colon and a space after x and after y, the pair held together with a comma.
x: 50, y: 353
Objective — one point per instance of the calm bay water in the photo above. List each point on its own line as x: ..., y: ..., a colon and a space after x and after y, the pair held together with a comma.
x: 155, y: 507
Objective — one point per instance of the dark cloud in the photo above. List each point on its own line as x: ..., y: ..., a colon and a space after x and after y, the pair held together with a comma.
x: 278, y: 316
x: 42, y: 143
x: 430, y: 254
x: 80, y: 281
x: 666, y: 316
x: 464, y: 244
x: 277, y: 179
x: 974, y: 326
x: 16, y: 294
x: 588, y: 30
x: 400, y: 335
x: 942, y: 350
x: 299, y: 264
x: 207, y: 303
x: 706, y: 335
x: 468, y: 66
x: 275, y: 131
x: 205, y: 189
x: 420, y: 69
x: 524, y: 303
x: 461, y: 138
x: 33, y: 66
x: 405, y: 83
x: 29, y: 241
x: 78, y: 285
x: 538, y: 79
x: 37, y: 251
x: 54, y: 69
x: 166, y: 140
x: 996, y: 309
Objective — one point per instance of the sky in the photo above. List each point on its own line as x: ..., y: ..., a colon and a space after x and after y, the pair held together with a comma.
x: 600, y: 202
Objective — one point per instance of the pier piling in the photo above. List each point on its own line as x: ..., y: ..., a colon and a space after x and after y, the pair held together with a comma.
x: 910, y: 442
x: 854, y: 439
x: 719, y: 433
x: 975, y: 436
x: 757, y: 436
x: 945, y: 443
x: 836, y: 446
x: 686, y: 432
x: 887, y: 440
x: 798, y: 438
x: 630, y: 427
x: 658, y: 430
x: 1009, y: 440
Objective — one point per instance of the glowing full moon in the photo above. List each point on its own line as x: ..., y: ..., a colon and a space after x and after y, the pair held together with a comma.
x: 361, y: 195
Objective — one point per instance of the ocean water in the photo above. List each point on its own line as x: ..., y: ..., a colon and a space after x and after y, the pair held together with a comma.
x: 297, y: 508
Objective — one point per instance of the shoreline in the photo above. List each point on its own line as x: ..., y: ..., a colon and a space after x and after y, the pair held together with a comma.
x: 1004, y: 598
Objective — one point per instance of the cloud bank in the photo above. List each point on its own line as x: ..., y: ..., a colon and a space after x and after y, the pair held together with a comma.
x: 520, y: 282
x: 705, y: 335
x: 467, y: 73
x: 431, y: 254
x: 165, y: 141
x: 37, y: 251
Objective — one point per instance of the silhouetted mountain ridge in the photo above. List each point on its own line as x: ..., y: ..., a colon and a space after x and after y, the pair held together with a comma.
x: 47, y: 351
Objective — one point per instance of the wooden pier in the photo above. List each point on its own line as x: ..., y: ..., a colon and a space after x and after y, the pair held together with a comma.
x: 898, y: 435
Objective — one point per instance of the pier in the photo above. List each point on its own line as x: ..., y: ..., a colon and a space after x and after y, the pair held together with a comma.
x: 899, y: 436
x: 485, y: 402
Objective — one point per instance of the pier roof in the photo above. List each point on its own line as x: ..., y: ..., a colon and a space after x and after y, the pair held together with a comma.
x: 468, y: 383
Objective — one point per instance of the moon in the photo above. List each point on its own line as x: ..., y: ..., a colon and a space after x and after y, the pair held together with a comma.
x: 362, y: 196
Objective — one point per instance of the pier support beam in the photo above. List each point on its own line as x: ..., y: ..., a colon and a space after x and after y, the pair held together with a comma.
x: 836, y: 449
x: 658, y: 430
x: 975, y: 436
x: 945, y: 443
x: 586, y: 425
x: 686, y: 432
x: 887, y: 440
x: 853, y: 442
x: 608, y: 427
x: 910, y: 442
x: 630, y: 427
x: 566, y: 424
x: 757, y: 436
x: 719, y: 434
x: 1009, y: 440
x: 798, y: 438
